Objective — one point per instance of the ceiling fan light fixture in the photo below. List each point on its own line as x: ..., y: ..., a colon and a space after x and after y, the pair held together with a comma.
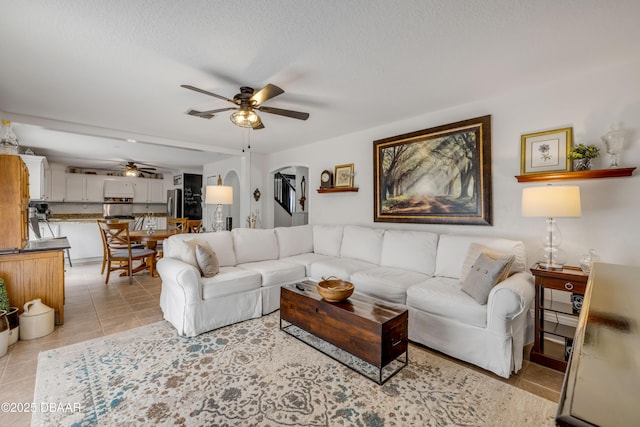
x: 131, y: 171
x: 245, y: 118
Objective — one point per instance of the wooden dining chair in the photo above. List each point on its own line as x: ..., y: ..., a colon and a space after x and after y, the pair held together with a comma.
x: 104, y: 245
x: 178, y: 223
x: 194, y: 226
x: 120, y: 254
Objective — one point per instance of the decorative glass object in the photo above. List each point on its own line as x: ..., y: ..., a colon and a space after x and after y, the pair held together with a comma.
x: 614, y: 139
x: 8, y: 139
x: 587, y: 260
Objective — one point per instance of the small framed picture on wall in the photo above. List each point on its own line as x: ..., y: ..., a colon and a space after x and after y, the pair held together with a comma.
x: 545, y: 151
x: 343, y: 176
x: 177, y: 180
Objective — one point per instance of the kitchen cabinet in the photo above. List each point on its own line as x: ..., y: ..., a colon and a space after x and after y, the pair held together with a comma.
x: 56, y: 184
x: 14, y: 203
x: 38, y: 168
x: 31, y: 275
x: 156, y: 191
x: 84, y: 188
x: 148, y: 190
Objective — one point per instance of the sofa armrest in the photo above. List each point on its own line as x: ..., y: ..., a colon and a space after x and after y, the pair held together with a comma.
x: 179, y: 274
x: 508, y: 300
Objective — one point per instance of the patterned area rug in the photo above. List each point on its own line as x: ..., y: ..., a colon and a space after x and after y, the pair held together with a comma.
x: 253, y: 374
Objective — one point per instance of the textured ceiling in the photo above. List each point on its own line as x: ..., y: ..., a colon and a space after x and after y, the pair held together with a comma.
x: 114, y: 68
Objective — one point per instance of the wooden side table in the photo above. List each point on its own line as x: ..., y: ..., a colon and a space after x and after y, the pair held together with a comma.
x: 571, y: 280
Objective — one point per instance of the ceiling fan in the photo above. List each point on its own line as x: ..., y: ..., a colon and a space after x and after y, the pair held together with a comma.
x: 131, y: 169
x: 247, y: 101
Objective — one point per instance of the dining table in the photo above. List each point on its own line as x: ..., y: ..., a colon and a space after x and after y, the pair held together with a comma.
x: 151, y: 239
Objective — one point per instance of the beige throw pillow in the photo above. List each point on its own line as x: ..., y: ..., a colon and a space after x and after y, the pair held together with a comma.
x: 474, y: 252
x: 484, y: 274
x: 207, y: 260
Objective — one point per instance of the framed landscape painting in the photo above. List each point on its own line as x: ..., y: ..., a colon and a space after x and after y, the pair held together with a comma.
x: 440, y: 175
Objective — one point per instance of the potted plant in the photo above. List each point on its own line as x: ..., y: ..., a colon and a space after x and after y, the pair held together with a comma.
x: 583, y: 154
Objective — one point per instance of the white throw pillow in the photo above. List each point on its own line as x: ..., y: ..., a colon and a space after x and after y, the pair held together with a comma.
x: 185, y: 250
x: 207, y: 260
x: 474, y: 252
x: 484, y: 274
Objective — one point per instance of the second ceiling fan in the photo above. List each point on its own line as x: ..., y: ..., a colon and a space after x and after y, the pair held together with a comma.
x: 247, y: 101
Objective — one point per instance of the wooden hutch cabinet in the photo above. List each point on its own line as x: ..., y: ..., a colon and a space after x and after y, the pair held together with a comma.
x: 14, y: 203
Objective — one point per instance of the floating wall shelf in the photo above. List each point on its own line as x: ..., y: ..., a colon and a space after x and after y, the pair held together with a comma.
x: 563, y: 176
x: 338, y: 190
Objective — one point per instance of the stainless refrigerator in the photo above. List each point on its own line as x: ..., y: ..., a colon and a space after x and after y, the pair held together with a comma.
x: 174, y: 203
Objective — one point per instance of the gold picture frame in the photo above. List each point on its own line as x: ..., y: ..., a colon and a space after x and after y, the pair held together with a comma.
x: 343, y: 176
x: 546, y: 151
x: 440, y: 175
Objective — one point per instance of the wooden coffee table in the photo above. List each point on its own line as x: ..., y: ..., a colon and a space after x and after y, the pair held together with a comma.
x: 370, y: 329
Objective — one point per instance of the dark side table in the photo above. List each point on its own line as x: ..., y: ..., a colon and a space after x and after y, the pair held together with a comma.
x: 571, y: 280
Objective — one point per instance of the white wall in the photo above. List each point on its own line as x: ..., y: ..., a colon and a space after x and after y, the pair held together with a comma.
x: 589, y: 102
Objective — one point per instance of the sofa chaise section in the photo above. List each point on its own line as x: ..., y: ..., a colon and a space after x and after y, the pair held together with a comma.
x: 443, y: 317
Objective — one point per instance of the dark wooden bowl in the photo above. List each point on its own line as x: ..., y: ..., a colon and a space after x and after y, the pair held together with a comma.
x: 335, y: 290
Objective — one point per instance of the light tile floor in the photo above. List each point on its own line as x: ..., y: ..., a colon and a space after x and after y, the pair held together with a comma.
x: 93, y: 309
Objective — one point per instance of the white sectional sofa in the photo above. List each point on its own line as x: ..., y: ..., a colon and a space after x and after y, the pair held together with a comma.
x: 420, y: 269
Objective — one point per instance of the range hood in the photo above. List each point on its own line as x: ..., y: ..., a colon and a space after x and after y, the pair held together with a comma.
x: 114, y: 189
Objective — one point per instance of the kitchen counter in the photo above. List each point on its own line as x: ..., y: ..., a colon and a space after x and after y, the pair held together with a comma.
x: 56, y: 243
x: 36, y: 271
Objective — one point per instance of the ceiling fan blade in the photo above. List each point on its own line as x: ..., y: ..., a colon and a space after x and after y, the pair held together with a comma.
x: 287, y: 113
x: 209, y: 113
x: 266, y: 93
x: 208, y: 93
x: 200, y: 114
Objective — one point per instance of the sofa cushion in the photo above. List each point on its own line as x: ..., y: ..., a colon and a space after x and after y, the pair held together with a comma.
x: 327, y: 239
x: 342, y: 268
x: 443, y: 296
x: 230, y: 280
x: 207, y: 259
x: 276, y: 272
x: 387, y: 283
x: 483, y: 275
x: 306, y: 260
x: 362, y: 243
x: 185, y: 251
x: 452, y: 250
x: 410, y: 250
x: 253, y: 245
x: 294, y: 240
x: 474, y: 252
x: 221, y: 242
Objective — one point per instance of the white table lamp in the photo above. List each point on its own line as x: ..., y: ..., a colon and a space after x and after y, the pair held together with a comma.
x: 552, y: 202
x: 219, y: 195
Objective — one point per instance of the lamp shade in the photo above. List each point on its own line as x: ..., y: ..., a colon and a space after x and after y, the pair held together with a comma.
x: 219, y: 195
x: 551, y: 201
